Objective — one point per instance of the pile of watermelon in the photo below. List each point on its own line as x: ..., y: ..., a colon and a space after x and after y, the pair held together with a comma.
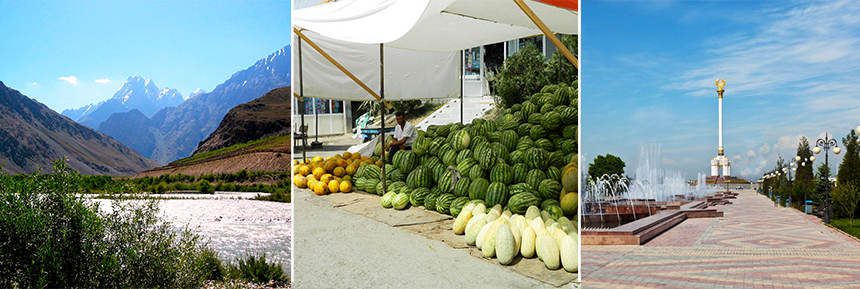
x: 526, y: 157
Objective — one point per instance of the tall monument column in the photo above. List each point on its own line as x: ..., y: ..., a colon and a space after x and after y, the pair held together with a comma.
x: 720, y: 163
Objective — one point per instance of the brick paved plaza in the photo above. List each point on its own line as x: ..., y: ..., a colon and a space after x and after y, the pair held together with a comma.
x: 755, y: 245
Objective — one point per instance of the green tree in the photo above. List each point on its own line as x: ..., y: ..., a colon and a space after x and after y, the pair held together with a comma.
x: 559, y: 69
x: 804, y: 174
x: 845, y: 199
x: 522, y: 75
x: 849, y: 169
x: 606, y: 165
x: 822, y: 185
x: 205, y: 187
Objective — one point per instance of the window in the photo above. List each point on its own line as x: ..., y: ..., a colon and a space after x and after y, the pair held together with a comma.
x: 322, y: 106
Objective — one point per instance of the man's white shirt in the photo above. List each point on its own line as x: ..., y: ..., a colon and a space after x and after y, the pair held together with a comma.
x: 408, y: 131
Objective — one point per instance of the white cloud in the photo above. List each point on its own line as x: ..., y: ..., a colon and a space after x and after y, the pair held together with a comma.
x: 764, y: 149
x: 667, y: 161
x: 103, y: 80
x: 70, y: 79
x: 34, y: 83
x: 751, y: 153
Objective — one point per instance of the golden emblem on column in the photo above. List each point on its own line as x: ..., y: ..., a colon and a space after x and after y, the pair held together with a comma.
x: 720, y: 84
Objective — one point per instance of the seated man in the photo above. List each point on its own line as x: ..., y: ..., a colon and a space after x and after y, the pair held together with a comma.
x: 404, y: 135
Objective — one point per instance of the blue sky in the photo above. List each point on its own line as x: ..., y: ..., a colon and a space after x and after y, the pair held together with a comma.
x: 648, y: 71
x: 67, y: 54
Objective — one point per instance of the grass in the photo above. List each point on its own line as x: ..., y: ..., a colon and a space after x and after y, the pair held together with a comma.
x: 224, y: 150
x: 845, y: 226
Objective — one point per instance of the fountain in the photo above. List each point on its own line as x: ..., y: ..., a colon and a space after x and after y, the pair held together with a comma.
x: 611, y: 200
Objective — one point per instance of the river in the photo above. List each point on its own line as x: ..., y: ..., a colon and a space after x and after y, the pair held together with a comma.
x: 235, y: 223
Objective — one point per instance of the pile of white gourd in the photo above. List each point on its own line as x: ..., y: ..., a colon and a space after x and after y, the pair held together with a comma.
x: 504, y: 235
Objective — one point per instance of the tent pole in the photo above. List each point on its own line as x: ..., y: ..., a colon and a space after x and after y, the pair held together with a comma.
x: 302, y: 109
x: 336, y: 64
x: 382, y: 113
x: 461, y: 86
x: 547, y: 33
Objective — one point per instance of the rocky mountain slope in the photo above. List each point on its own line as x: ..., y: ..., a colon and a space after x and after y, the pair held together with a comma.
x: 178, y: 130
x: 136, y: 93
x: 34, y: 136
x: 265, y: 116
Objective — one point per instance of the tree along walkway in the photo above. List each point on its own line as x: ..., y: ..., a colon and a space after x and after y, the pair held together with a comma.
x: 755, y: 245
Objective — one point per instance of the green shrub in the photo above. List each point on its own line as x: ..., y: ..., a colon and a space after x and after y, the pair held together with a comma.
x: 521, y: 76
x: 256, y: 269
x: 205, y: 187
x: 52, y: 237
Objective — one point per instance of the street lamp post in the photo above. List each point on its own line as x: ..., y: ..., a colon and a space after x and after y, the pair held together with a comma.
x: 826, y: 143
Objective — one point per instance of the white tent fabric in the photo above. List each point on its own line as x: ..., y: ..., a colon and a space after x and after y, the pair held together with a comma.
x: 422, y: 41
x: 408, y: 74
x: 431, y: 25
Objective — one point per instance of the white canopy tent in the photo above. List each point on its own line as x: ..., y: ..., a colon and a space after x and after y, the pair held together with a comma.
x: 422, y: 40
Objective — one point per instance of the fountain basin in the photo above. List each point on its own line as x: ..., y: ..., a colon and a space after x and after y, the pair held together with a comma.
x: 640, y: 231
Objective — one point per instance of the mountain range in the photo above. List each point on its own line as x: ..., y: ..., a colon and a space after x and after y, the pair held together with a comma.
x: 268, y: 115
x: 175, y: 132
x: 32, y: 136
x: 136, y: 93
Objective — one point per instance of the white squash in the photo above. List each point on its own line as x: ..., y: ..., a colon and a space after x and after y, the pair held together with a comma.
x: 550, y: 252
x: 569, y: 254
x: 505, y: 244
x: 472, y: 232
x: 527, y: 247
x: 461, y: 221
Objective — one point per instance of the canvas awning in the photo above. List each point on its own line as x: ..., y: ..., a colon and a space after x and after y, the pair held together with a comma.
x: 422, y: 40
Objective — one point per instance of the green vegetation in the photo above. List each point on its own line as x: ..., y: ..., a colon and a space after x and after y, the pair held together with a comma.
x: 846, y: 226
x: 242, y: 181
x: 606, y: 165
x: 229, y: 149
x: 521, y: 76
x: 52, y: 237
x: 845, y: 200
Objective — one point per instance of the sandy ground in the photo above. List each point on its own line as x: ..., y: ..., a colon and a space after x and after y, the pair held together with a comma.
x: 336, y: 248
x: 257, y: 161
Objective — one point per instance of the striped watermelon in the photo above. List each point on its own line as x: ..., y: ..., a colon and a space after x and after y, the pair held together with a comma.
x: 553, y: 173
x: 477, y: 130
x: 420, y: 146
x: 445, y: 182
x: 400, y: 201
x: 557, y: 159
x: 381, y: 186
x: 449, y: 158
x: 396, y: 175
x: 549, y: 189
x: 478, y: 121
x: 519, y: 203
x: 457, y: 205
x: 486, y: 158
x: 460, y: 140
x: 524, y: 129
x: 525, y: 143
x: 516, y: 107
x: 502, y: 173
x: 537, y: 158
x: 430, y: 160
x: 443, y: 203
x: 549, y: 88
x: 464, y: 154
x: 544, y: 206
x: 568, y: 146
x: 477, y: 141
x: 509, y: 124
x: 519, y: 188
x: 443, y: 130
x: 551, y: 120
x: 435, y: 145
x: 558, y: 143
x: 497, y: 193
x: 494, y: 136
x: 570, y: 115
x: 528, y: 109
x: 370, y: 185
x: 430, y: 200
x: 419, y: 178
x: 544, y: 144
x: 570, y: 132
x: 476, y: 172
x: 534, y: 177
x: 501, y: 151
x: 547, y: 108
x: 478, y: 188
x: 517, y: 157
x: 563, y: 95
x: 536, y: 118
x: 373, y: 172
x: 416, y: 198
x: 490, y: 126
x: 462, y: 187
x: 537, y: 132
x: 509, y: 140
x: 520, y: 170
x: 465, y: 166
x: 408, y: 161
